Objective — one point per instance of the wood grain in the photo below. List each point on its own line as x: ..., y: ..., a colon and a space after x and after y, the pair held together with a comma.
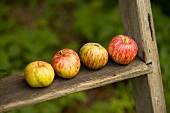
x: 16, y: 93
x: 138, y: 23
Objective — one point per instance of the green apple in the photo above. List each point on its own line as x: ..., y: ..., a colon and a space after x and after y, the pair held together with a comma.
x: 39, y: 74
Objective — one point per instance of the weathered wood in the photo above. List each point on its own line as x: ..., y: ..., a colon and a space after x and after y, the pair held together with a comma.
x: 16, y: 93
x: 138, y: 23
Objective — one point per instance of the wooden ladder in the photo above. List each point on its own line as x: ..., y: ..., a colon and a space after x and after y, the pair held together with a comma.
x: 144, y: 71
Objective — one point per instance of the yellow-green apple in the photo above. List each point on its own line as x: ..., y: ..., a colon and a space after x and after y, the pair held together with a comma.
x: 39, y: 74
x: 66, y: 63
x: 93, y: 55
x: 122, y: 49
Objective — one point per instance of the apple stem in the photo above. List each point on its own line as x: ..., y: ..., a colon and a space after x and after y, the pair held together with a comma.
x: 38, y: 64
x: 96, y: 45
x: 125, y: 40
x: 61, y: 53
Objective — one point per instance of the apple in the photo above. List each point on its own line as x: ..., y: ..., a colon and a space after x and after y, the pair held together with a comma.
x: 66, y: 63
x: 122, y: 49
x: 93, y: 55
x: 39, y: 74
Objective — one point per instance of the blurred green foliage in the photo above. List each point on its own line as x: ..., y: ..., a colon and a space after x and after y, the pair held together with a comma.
x: 54, y: 106
x: 36, y: 29
x: 120, y: 102
x: 99, y: 23
x: 23, y: 46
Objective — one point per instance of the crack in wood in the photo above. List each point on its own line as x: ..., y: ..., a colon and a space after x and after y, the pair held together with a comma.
x: 150, y: 26
x: 144, y: 56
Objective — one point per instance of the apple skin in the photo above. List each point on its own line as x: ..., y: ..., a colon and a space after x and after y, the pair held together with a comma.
x: 66, y: 63
x: 39, y: 74
x: 122, y: 49
x: 93, y: 55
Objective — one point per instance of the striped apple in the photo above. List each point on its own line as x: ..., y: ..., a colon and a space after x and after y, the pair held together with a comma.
x: 66, y: 63
x: 122, y: 49
x: 93, y: 55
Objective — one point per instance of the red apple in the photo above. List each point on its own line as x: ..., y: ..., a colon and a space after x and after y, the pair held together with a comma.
x: 93, y: 55
x: 39, y: 74
x: 66, y: 63
x: 122, y: 49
